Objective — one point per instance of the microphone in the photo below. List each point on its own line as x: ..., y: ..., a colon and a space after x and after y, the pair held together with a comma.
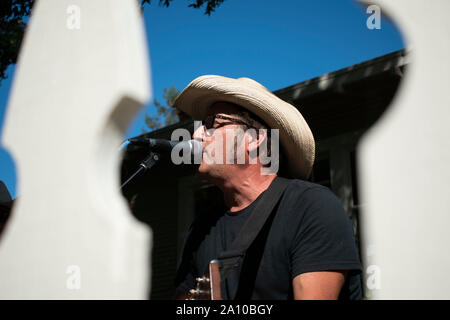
x: 192, y: 150
x: 194, y: 147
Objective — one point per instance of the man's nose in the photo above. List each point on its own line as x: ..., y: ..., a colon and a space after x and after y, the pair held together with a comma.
x: 199, y: 133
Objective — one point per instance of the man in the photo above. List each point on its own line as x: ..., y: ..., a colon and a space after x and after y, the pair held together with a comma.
x: 306, y: 250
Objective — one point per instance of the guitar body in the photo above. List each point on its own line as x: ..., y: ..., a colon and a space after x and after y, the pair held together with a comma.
x: 208, y: 286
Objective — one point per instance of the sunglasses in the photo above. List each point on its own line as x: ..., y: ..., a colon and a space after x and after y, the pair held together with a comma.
x: 209, y: 121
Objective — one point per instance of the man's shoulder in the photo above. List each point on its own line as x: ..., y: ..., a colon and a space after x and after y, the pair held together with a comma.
x: 305, y: 197
x: 307, y: 189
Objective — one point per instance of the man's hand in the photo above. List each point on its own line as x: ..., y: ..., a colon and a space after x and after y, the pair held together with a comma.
x: 322, y: 285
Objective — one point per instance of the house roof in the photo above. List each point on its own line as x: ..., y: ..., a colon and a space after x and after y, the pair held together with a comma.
x: 392, y: 62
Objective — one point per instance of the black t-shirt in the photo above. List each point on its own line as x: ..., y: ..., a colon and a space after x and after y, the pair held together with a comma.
x: 308, y: 231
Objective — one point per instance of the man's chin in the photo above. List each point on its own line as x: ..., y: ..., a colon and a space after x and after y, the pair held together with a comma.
x: 202, y: 170
x: 205, y: 172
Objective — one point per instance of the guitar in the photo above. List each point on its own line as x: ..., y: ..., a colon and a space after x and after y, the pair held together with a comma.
x: 208, y: 286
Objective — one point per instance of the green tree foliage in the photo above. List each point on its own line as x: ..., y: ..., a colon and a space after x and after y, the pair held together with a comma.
x: 211, y: 5
x: 14, y: 16
x: 165, y: 114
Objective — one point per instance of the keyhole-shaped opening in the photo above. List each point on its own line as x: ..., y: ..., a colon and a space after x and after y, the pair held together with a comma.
x: 339, y: 64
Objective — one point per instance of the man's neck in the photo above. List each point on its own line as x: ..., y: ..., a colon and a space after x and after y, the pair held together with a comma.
x: 242, y: 189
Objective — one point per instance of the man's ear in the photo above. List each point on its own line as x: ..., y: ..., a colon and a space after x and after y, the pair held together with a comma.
x: 255, y: 139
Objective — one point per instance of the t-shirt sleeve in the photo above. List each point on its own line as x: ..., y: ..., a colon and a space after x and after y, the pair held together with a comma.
x: 323, y: 237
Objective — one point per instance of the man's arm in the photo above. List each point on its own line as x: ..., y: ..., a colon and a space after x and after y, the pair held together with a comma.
x: 322, y: 285
x: 323, y: 250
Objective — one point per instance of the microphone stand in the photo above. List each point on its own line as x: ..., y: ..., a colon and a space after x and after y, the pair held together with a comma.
x: 146, y: 164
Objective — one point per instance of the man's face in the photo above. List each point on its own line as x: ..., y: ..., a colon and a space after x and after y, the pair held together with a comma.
x: 223, y: 142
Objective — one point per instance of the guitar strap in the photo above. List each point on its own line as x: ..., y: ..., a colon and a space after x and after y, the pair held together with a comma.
x: 232, y: 258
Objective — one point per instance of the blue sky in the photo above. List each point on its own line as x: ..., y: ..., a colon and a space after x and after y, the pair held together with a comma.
x: 278, y: 43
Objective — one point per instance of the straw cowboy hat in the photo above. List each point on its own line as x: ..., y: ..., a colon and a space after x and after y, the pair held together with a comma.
x: 296, y: 138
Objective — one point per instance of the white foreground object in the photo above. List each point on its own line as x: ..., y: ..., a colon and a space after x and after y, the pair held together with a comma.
x: 405, y: 172
x: 83, y: 74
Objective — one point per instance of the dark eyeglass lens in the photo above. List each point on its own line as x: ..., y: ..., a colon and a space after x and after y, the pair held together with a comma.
x: 208, y: 122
